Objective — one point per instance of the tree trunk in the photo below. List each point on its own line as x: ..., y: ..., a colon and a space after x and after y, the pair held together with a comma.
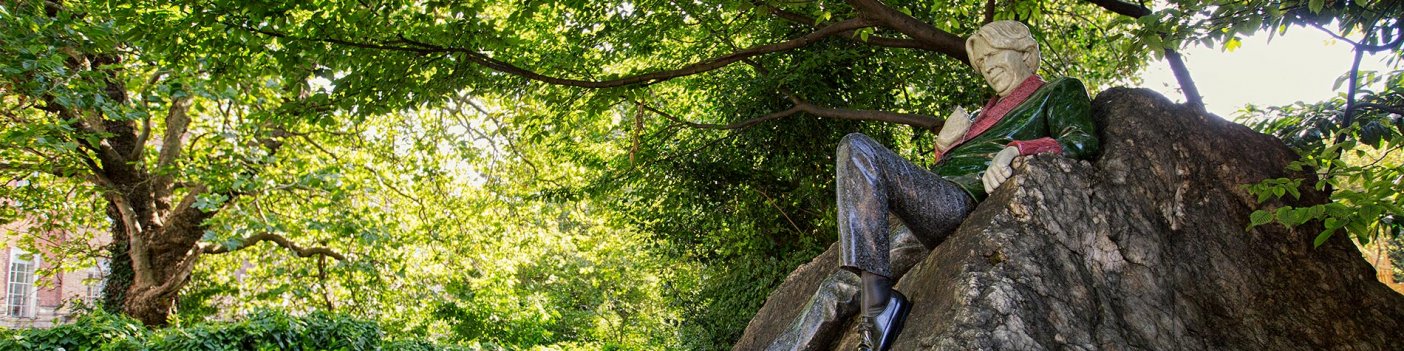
x: 147, y: 291
x: 1144, y: 248
x: 172, y: 261
x: 154, y: 243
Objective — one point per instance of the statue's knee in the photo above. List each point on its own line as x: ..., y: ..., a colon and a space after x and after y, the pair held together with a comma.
x: 851, y: 143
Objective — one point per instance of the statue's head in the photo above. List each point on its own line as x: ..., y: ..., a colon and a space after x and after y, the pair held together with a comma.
x: 1005, y: 53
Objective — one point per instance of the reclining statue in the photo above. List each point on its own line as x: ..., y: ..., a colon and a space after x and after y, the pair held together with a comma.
x: 1028, y: 115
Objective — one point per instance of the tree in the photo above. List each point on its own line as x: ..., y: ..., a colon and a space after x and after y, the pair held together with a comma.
x: 1350, y: 141
x: 686, y: 121
x: 163, y: 138
x: 359, y: 206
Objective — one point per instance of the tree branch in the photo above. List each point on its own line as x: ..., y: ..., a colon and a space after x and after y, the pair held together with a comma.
x: 1361, y: 45
x: 1182, y: 75
x: 29, y: 168
x: 177, y: 123
x: 484, y: 112
x: 146, y: 121
x: 989, y: 11
x: 277, y: 240
x: 379, y: 177
x: 798, y: 18
x: 1172, y: 57
x: 1354, y: 81
x: 1398, y: 39
x: 186, y: 203
x: 932, y: 39
x: 1398, y: 110
x: 921, y: 121
x: 141, y: 261
x: 406, y: 45
x: 1122, y: 7
x: 778, y: 209
x: 800, y: 105
x: 105, y: 152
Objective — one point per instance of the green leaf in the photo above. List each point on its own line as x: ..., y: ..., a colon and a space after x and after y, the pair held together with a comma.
x: 1321, y: 238
x: 1340, y: 80
x: 1258, y: 218
x: 1318, y: 211
x: 1366, y: 236
x: 1233, y: 44
x: 1154, y: 42
x: 1357, y: 227
x: 1301, y: 215
x: 1284, y: 215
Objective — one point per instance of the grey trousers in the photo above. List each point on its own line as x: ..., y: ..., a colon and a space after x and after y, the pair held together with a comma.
x: 873, y: 182
x: 891, y: 213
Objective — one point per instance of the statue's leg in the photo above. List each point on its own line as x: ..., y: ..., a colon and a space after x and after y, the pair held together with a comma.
x: 880, y: 196
x: 873, y: 182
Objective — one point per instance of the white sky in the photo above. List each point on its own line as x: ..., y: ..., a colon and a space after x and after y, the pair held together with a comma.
x: 1301, y: 65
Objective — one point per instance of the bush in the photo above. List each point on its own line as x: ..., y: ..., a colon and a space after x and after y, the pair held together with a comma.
x: 262, y: 330
x: 96, y: 330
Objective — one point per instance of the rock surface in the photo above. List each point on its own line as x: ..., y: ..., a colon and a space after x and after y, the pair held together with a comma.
x: 1144, y: 248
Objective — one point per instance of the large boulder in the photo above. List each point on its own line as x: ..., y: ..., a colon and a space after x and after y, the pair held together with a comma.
x: 1144, y: 248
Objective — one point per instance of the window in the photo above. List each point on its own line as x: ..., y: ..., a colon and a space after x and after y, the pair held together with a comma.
x: 19, y: 297
x: 97, y: 280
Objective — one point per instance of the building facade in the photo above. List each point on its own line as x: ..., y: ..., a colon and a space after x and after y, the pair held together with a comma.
x: 40, y: 290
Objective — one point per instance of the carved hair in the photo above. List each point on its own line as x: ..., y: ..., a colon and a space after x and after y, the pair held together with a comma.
x: 1007, y: 35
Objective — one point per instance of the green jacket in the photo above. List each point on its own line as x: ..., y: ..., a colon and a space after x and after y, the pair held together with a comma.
x: 1059, y: 109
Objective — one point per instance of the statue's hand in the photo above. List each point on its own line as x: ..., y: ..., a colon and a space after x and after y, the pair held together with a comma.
x: 956, y: 126
x: 999, y: 170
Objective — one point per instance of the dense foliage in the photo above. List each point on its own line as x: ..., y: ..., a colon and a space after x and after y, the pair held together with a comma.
x: 264, y: 330
x: 520, y: 173
x: 1352, y: 143
x: 1361, y: 164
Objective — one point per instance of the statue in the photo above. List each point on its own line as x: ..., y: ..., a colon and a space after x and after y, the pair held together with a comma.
x: 1027, y: 116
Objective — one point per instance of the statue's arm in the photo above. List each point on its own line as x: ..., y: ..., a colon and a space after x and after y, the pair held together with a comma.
x: 1068, y: 113
x: 1070, y: 120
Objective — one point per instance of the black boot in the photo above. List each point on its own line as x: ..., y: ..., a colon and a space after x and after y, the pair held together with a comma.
x: 878, y: 332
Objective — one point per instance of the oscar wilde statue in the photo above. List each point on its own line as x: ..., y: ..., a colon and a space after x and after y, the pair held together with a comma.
x: 1027, y: 115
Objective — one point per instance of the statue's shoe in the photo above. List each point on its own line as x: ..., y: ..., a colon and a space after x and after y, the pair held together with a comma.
x: 879, y: 331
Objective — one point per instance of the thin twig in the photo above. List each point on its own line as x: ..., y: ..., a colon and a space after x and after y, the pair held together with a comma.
x: 782, y: 211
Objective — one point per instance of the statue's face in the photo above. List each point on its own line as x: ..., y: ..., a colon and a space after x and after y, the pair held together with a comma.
x: 1003, y: 69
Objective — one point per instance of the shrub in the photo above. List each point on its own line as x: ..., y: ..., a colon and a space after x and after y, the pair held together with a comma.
x: 261, y: 330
